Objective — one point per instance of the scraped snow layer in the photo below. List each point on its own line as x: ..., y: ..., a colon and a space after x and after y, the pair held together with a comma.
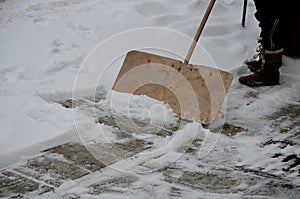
x: 141, y: 108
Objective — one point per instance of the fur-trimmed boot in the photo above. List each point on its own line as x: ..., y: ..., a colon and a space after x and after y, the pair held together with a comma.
x: 268, y: 74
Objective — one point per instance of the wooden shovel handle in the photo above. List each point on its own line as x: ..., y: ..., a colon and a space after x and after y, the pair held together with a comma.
x: 244, y: 13
x: 199, y: 31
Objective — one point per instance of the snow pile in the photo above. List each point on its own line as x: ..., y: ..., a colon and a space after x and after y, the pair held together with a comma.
x: 140, y: 108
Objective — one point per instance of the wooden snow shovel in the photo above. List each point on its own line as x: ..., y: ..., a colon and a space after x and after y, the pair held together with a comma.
x: 194, y: 92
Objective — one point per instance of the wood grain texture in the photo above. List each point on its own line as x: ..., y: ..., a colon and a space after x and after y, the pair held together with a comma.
x: 194, y: 92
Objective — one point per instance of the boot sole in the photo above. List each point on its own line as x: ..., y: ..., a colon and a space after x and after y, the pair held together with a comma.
x: 258, y: 84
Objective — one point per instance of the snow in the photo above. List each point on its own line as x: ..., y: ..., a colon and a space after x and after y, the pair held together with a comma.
x: 46, y: 43
x: 42, y: 46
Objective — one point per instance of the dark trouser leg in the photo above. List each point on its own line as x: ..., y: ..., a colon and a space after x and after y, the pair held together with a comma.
x: 269, y: 14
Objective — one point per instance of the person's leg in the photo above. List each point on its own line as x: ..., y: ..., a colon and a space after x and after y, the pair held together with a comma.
x: 269, y: 16
x: 255, y: 62
x: 291, y: 28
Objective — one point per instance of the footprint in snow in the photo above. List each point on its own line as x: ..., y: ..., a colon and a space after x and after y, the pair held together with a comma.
x: 151, y: 8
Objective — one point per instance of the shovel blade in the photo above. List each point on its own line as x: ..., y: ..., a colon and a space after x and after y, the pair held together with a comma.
x: 194, y: 92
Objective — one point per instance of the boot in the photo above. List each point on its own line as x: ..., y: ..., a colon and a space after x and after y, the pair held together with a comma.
x: 268, y: 74
x: 255, y: 62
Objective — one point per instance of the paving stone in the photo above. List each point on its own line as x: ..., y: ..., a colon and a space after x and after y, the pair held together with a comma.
x: 78, y: 154
x: 231, y: 130
x: 215, y: 183
x: 287, y: 119
x: 112, y: 185
x: 52, y: 170
x: 232, y: 182
x: 56, y: 165
x: 13, y: 185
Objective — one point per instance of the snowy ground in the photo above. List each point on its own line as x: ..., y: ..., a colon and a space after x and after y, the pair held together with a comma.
x: 42, y: 46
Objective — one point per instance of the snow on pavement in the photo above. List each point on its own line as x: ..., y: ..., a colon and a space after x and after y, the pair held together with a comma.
x: 42, y: 46
x: 44, y: 42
